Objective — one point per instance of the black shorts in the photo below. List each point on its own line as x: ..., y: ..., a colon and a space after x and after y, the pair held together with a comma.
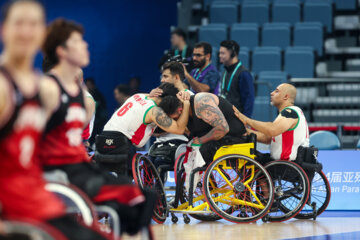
x: 209, y: 149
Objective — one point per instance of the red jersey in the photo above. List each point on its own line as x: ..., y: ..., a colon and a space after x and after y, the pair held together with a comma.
x: 22, y: 188
x: 62, y: 142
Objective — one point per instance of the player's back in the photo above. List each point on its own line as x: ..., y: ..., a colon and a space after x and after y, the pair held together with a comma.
x: 129, y: 119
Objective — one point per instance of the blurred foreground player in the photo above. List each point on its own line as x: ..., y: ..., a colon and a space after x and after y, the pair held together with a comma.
x: 65, y: 52
x: 22, y: 120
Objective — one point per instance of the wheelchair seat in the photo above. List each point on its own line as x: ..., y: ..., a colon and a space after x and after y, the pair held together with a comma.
x: 112, y: 162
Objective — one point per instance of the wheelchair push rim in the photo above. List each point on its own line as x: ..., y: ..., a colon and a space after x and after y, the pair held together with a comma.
x: 235, y: 187
x: 291, y: 189
x: 146, y: 176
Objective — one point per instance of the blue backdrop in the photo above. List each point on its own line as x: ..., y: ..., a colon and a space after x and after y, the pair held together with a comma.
x: 126, y: 38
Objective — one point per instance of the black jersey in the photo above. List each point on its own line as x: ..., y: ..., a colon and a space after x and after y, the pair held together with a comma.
x: 199, y: 128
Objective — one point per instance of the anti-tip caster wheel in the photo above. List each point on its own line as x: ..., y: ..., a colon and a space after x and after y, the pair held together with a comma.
x: 186, y: 219
x: 265, y: 218
x: 174, y: 219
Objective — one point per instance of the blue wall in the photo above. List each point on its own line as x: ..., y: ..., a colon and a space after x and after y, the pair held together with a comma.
x: 126, y: 38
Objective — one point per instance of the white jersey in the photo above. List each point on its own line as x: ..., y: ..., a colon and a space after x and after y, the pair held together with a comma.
x: 129, y: 119
x: 285, y: 145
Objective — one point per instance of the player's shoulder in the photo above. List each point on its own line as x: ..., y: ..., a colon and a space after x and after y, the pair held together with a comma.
x: 289, y: 113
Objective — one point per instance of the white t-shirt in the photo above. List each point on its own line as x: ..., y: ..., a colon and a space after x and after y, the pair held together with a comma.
x: 129, y: 119
x: 285, y: 145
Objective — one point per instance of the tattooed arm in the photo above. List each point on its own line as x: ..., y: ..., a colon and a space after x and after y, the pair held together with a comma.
x: 207, y: 109
x: 159, y: 117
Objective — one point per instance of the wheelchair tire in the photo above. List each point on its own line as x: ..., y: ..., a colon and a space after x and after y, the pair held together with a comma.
x: 231, y: 187
x: 291, y: 189
x: 320, y: 193
x: 146, y: 176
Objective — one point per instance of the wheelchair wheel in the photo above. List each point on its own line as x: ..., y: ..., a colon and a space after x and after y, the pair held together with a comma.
x: 320, y: 193
x: 238, y: 188
x: 291, y: 188
x: 146, y: 176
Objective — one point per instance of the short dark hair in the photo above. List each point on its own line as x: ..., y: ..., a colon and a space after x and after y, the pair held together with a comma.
x: 58, y: 33
x: 169, y: 104
x: 179, y: 32
x: 123, y: 88
x: 8, y: 5
x: 206, y: 46
x: 175, y: 68
x: 231, y: 45
x: 90, y: 80
x: 169, y: 89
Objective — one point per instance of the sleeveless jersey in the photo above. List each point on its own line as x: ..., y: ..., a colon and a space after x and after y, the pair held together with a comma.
x: 129, y: 119
x: 199, y: 128
x: 22, y: 188
x: 285, y: 145
x: 62, y: 142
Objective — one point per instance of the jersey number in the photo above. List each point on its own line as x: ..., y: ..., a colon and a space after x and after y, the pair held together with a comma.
x: 124, y: 109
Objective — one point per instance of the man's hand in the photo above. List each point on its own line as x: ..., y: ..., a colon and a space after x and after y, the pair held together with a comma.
x: 156, y: 92
x: 183, y: 96
x: 185, y: 71
x: 240, y: 116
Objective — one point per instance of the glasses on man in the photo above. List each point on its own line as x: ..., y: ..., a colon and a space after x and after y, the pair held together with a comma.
x: 198, y: 55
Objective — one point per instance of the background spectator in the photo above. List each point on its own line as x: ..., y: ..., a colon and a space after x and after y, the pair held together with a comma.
x: 179, y: 48
x: 134, y: 85
x: 237, y: 84
x: 121, y: 93
x: 204, y: 77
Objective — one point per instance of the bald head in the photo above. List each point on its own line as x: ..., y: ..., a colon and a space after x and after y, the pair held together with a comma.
x: 289, y: 90
x: 283, y: 95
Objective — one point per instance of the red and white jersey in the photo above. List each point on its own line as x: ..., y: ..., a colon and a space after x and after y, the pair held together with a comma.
x: 129, y: 119
x: 285, y: 145
x: 22, y: 187
x: 62, y: 142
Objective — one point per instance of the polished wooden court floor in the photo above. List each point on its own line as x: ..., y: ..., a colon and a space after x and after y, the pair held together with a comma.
x: 322, y: 228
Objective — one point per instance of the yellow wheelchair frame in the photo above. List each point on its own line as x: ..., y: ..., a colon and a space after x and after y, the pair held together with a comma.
x: 243, y: 153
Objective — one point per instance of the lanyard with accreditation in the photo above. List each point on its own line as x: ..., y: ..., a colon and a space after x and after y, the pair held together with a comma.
x: 224, y: 92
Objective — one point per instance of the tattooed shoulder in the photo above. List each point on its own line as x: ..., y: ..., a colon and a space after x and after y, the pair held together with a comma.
x: 161, y: 118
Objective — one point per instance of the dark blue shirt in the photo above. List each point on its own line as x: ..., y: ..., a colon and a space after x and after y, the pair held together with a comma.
x: 209, y: 76
x: 247, y: 92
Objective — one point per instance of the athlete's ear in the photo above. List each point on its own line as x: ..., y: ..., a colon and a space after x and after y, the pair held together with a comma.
x: 60, y: 51
x: 177, y: 77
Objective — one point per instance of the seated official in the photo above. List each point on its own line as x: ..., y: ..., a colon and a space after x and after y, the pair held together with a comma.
x: 204, y: 77
x: 287, y: 132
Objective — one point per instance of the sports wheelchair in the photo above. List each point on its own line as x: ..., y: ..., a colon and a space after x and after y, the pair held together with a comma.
x: 237, y: 188
x: 234, y: 187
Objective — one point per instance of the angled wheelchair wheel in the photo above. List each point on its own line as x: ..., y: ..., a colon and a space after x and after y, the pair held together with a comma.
x: 320, y: 193
x: 238, y: 188
x: 146, y: 176
x: 291, y: 190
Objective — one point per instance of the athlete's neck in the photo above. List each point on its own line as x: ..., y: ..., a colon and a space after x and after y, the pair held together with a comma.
x: 284, y: 105
x: 22, y: 65
x: 179, y: 85
x: 157, y: 100
x: 66, y: 72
